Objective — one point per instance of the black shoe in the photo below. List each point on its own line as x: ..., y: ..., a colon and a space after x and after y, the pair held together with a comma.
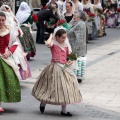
x: 66, y: 114
x: 42, y: 108
x: 79, y: 80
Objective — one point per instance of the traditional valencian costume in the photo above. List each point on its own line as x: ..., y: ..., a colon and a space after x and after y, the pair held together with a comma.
x: 57, y: 83
x: 90, y: 23
x: 9, y: 71
x: 24, y: 18
x: 14, y: 27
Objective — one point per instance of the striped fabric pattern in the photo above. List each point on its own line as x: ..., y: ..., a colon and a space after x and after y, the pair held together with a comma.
x: 57, y: 86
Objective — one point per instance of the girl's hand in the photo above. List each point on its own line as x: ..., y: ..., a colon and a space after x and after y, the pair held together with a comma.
x: 6, y: 54
x: 69, y: 62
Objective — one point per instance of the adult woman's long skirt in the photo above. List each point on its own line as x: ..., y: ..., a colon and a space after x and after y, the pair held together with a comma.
x: 27, y: 42
x: 9, y: 84
x: 57, y: 85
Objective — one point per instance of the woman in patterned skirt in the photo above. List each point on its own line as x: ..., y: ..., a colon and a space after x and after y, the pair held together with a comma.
x: 9, y: 72
x: 57, y: 84
x: 24, y: 17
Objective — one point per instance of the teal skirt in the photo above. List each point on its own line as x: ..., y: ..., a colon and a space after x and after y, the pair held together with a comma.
x: 9, y: 84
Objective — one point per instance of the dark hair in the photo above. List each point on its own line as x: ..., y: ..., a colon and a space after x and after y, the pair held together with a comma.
x: 2, y: 14
x: 70, y: 4
x: 60, y: 32
x: 50, y: 7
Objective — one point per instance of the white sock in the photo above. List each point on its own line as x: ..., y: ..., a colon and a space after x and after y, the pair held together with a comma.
x: 43, y: 104
x: 64, y: 108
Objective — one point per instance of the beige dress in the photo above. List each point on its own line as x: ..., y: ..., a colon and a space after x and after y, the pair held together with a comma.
x: 57, y: 84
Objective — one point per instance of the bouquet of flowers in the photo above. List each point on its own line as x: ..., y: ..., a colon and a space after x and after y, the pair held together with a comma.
x: 72, y: 56
x: 64, y: 24
x: 91, y: 17
x: 100, y: 12
x: 51, y: 24
x: 118, y: 10
x: 34, y: 17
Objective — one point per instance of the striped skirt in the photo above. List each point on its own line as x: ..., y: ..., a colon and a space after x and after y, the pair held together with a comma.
x: 57, y: 85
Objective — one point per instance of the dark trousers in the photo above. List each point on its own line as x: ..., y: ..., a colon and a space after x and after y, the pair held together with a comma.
x: 40, y: 32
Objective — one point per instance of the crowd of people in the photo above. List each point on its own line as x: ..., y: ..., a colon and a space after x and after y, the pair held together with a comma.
x: 99, y: 14
x: 70, y: 24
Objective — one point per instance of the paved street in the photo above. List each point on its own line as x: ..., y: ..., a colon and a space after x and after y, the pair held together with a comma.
x: 100, y: 89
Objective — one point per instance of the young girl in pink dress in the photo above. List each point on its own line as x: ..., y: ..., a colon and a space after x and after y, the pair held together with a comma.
x: 57, y: 84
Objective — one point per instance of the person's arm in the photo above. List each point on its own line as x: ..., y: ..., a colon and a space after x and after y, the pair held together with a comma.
x: 54, y: 16
x: 11, y: 51
x: 49, y: 42
x: 13, y: 48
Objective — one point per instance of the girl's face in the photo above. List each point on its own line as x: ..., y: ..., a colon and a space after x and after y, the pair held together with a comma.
x: 68, y: 7
x: 2, y: 21
x: 62, y: 38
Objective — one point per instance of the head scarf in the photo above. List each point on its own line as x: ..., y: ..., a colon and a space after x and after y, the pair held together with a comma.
x: 11, y: 21
x: 23, y: 12
x: 66, y: 43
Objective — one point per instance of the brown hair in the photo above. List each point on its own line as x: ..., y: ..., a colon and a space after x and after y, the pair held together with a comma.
x: 60, y: 32
x: 2, y: 14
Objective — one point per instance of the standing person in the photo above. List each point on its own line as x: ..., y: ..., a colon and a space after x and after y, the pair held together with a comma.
x: 77, y: 5
x: 68, y: 15
x: 55, y: 5
x: 57, y: 83
x: 77, y: 39
x: 24, y: 18
x: 98, y: 20
x: 43, y: 16
x: 14, y: 27
x: 112, y: 18
x: 91, y: 25
x: 9, y: 84
x: 36, y: 3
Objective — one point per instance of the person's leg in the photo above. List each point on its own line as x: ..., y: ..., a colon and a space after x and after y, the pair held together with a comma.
x: 64, y: 112
x: 42, y: 107
x: 38, y: 33
x: 79, y: 62
x: 42, y: 29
